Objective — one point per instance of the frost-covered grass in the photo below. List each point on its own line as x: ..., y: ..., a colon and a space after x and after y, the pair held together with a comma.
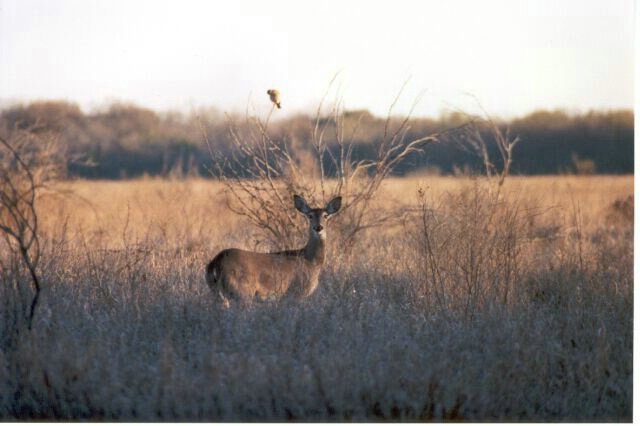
x: 516, y: 308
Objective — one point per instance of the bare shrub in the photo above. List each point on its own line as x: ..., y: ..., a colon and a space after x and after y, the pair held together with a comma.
x: 470, y: 248
x: 29, y: 162
x: 470, y: 242
x: 472, y: 138
x: 263, y: 171
x: 582, y: 166
x: 621, y: 210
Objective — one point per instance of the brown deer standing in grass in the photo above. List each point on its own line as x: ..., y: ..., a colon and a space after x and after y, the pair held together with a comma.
x: 247, y: 276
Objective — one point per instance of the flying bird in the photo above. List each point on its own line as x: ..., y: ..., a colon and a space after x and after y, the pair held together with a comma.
x: 274, y: 95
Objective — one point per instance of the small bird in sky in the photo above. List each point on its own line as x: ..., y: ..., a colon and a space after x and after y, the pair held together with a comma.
x: 274, y: 95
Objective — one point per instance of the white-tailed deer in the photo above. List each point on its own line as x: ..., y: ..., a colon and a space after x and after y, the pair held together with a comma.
x: 246, y: 275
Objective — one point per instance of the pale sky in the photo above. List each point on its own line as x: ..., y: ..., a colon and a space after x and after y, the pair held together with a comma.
x: 514, y: 56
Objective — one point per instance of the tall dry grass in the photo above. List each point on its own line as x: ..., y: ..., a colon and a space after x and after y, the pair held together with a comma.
x: 477, y: 306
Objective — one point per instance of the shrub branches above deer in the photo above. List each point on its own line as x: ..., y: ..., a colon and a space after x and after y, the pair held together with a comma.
x: 264, y: 167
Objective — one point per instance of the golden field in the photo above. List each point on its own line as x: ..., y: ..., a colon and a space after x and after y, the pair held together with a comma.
x: 475, y: 304
x: 190, y: 212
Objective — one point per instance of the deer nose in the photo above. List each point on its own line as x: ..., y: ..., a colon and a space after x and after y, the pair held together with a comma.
x: 319, y: 228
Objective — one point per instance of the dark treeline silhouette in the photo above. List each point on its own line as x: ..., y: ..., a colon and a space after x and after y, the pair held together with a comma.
x: 124, y: 141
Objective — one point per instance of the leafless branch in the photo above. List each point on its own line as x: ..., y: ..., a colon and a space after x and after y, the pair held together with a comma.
x: 262, y: 171
x: 28, y: 164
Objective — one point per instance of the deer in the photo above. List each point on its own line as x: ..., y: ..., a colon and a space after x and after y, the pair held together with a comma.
x: 249, y: 276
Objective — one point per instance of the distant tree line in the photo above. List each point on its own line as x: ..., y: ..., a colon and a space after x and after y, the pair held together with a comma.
x: 125, y: 141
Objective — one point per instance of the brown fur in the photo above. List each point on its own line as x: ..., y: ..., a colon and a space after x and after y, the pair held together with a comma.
x: 246, y: 276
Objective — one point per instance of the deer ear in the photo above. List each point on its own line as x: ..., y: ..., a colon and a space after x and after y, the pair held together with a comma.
x: 301, y: 204
x: 334, y: 205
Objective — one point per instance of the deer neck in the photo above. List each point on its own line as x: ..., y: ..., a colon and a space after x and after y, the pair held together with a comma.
x: 314, y: 250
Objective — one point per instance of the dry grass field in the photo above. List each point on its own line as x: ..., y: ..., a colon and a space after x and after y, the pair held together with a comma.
x: 473, y: 306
